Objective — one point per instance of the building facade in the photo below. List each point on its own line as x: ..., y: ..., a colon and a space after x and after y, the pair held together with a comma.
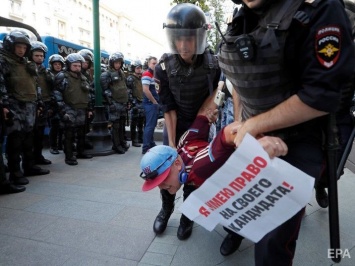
x: 72, y: 20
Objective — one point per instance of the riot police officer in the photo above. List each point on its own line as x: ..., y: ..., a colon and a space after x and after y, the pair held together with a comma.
x: 45, y: 82
x: 113, y: 84
x: 72, y: 97
x: 56, y: 64
x: 187, y: 77
x: 289, y: 62
x: 20, y: 97
x: 135, y: 89
x: 87, y: 70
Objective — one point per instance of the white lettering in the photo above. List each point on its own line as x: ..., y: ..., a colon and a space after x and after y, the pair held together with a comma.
x: 335, y: 253
x: 328, y: 38
x: 328, y: 29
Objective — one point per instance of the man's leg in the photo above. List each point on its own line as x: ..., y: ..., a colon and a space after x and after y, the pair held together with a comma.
x: 28, y: 160
x: 38, y: 145
x: 115, y: 135
x: 53, y: 135
x: 6, y: 187
x: 70, y: 159
x: 186, y: 225
x: 150, y: 124
x: 167, y: 209
x: 277, y: 248
x: 122, y: 132
x: 81, y: 134
x: 13, y: 151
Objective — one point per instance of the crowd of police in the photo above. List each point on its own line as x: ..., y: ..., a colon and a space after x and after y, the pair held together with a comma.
x: 61, y: 99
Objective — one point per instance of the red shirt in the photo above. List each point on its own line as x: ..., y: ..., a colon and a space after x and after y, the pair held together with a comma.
x: 205, y: 158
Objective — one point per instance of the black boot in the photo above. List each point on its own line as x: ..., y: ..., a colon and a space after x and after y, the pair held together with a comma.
x: 121, y: 134
x: 125, y: 145
x: 8, y: 188
x: 167, y: 209
x: 71, y: 160
x: 17, y: 178
x: 116, y: 139
x: 230, y: 243
x: 35, y: 170
x: 42, y: 161
x: 68, y: 140
x: 322, y: 197
x: 185, y: 228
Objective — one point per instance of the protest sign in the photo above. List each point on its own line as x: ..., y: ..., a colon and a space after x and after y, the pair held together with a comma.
x: 250, y: 194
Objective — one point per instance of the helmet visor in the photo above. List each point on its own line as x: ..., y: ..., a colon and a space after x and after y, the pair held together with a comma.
x: 193, y: 39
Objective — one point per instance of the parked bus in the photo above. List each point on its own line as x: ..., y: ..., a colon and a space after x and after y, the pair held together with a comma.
x: 62, y: 47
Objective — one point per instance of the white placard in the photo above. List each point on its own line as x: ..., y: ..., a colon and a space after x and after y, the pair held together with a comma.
x: 250, y: 194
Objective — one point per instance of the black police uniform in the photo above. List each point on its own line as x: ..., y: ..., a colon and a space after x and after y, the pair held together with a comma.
x: 297, y: 47
x: 183, y: 88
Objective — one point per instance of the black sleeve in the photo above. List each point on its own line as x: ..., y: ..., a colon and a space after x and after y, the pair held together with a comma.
x: 166, y: 98
x: 326, y: 57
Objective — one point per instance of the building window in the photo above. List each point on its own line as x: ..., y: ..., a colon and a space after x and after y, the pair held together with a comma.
x: 61, y: 27
x: 16, y: 7
x: 48, y: 21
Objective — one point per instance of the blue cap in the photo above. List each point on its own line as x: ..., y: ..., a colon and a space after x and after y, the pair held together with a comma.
x: 156, y: 165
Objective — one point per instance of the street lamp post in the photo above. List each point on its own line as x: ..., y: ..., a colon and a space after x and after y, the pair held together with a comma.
x: 99, y: 135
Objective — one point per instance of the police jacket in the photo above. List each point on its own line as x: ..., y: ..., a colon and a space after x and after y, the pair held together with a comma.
x: 113, y: 84
x: 72, y: 90
x: 17, y: 78
x: 135, y: 89
x: 45, y: 81
x: 299, y: 47
x: 184, y: 87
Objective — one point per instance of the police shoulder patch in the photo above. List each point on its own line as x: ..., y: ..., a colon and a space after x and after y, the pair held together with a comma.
x: 328, y: 45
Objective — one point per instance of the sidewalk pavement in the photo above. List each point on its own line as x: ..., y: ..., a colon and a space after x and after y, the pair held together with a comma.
x: 95, y: 214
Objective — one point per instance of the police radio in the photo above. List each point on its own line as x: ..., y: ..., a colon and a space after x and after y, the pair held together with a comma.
x: 245, y: 47
x: 219, y: 98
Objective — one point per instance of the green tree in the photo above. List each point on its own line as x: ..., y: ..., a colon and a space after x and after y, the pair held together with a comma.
x: 201, y: 3
x: 214, y: 13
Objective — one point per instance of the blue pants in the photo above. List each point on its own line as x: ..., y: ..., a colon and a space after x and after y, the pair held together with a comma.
x: 151, y: 119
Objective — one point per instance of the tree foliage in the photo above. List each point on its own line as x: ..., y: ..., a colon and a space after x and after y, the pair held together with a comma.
x: 214, y: 12
x: 202, y: 3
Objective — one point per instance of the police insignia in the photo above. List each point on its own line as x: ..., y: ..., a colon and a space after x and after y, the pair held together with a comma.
x: 328, y: 42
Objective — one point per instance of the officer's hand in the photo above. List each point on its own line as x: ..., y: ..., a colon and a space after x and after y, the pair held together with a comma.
x: 242, y: 129
x: 112, y: 108
x: 90, y: 114
x: 274, y: 146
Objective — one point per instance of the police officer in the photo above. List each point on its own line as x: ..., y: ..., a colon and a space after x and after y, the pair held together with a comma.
x: 72, y: 96
x: 288, y: 61
x: 87, y: 70
x: 56, y: 64
x: 187, y: 76
x: 45, y: 82
x: 135, y: 89
x: 345, y: 121
x: 20, y: 98
x: 113, y: 84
